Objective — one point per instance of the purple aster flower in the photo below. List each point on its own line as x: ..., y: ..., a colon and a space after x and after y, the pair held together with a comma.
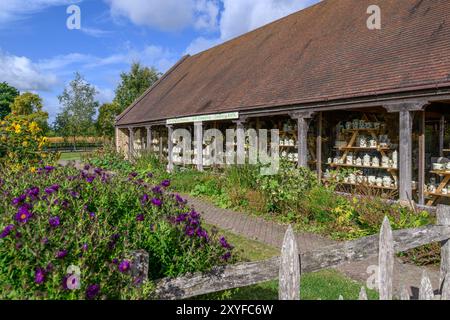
x: 92, y: 291
x: 156, y: 202
x: 92, y: 215
x: 98, y: 171
x: 115, y: 261
x: 33, y: 193
x: 133, y: 174
x: 87, y: 167
x: 224, y: 243
x: 202, y: 234
x: 6, y: 231
x: 90, y: 179
x: 179, y: 198
x: 226, y: 256
x: 124, y: 266
x: 23, y: 215
x: 74, y: 194
x: 85, y: 247
x: 157, y: 190
x: 18, y: 235
x: 165, y: 183
x: 44, y: 240
x: 49, y: 267
x: 181, y: 218
x: 19, y: 200
x: 194, y: 215
x: 39, y: 276
x: 61, y: 254
x: 189, y: 231
x: 140, y: 218
x: 54, y: 222
x: 149, y: 175
x: 18, y: 245
x: 145, y: 198
x: 49, y: 168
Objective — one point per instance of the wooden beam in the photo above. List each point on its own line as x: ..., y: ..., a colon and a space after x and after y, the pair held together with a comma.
x: 149, y: 137
x: 405, y: 156
x: 441, y: 135
x: 170, y: 166
x: 421, y: 173
x: 198, y: 127
x: 319, y: 145
x: 130, y: 142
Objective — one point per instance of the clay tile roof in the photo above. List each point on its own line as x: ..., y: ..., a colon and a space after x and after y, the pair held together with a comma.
x: 321, y: 53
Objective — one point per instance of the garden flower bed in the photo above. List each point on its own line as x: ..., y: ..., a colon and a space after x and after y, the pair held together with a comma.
x: 69, y: 234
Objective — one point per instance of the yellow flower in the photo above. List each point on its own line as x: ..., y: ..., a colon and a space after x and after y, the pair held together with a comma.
x: 32, y: 169
x: 25, y: 144
x: 17, y: 128
x: 34, y: 128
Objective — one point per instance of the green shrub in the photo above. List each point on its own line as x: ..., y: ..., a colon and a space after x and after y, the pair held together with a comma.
x: 58, y: 217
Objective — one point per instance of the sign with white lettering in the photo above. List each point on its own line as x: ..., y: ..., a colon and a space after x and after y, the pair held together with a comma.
x: 205, y: 118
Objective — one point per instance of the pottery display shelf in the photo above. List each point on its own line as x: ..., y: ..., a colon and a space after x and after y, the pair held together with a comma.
x: 434, y: 196
x: 374, y: 186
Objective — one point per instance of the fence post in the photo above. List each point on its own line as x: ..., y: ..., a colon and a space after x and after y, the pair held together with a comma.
x: 363, y: 294
x: 139, y: 266
x: 386, y: 261
x: 443, y: 219
x: 445, y: 293
x: 426, y: 289
x: 289, y: 277
x: 404, y: 295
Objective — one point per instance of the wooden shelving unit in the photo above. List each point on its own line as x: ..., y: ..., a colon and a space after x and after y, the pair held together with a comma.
x: 434, y: 196
x: 353, y: 135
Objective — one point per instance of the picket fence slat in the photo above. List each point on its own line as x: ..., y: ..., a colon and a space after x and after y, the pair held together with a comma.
x: 404, y: 294
x: 426, y: 289
x: 289, y: 276
x: 445, y: 293
x: 386, y: 261
x: 443, y: 219
x: 363, y: 294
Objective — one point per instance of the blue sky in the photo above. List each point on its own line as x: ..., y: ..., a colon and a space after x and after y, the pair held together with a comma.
x: 38, y: 53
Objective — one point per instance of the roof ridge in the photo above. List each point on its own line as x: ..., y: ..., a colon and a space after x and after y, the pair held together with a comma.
x: 128, y: 109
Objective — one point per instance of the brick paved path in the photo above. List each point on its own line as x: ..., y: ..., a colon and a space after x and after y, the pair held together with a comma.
x: 272, y: 233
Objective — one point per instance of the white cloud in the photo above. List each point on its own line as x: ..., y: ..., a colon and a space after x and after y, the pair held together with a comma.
x: 94, y: 32
x: 105, y: 95
x: 239, y: 17
x: 167, y: 15
x: 24, y: 74
x: 12, y: 10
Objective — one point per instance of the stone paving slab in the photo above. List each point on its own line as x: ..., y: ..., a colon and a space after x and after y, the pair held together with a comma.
x: 272, y: 233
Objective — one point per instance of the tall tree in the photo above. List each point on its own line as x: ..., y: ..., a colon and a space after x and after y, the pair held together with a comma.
x: 106, y: 118
x: 26, y: 104
x: 30, y: 104
x: 7, y: 96
x: 78, y: 109
x: 134, y: 83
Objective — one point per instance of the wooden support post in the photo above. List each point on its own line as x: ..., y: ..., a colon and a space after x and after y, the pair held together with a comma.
x: 405, y: 156
x: 161, y: 145
x: 170, y: 166
x: 426, y: 289
x: 441, y: 135
x: 198, y: 127
x: 386, y: 261
x: 405, y: 145
x: 149, y: 138
x: 130, y: 143
x: 303, y: 119
x: 421, y: 173
x: 443, y: 219
x: 319, y: 146
x: 240, y: 138
x: 289, y: 278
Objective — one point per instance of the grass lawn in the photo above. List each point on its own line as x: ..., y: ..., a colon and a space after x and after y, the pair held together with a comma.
x: 70, y: 156
x: 323, y: 285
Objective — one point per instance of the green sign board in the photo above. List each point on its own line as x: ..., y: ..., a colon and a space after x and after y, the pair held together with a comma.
x: 205, y: 118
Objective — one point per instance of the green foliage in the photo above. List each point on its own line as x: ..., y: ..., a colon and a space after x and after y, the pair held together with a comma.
x: 133, y: 84
x: 58, y: 217
x: 7, y: 96
x: 108, y: 158
x: 78, y: 109
x: 285, y: 189
x: 106, y: 118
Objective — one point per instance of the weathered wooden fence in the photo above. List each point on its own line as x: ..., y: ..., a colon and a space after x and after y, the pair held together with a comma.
x: 290, y: 265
